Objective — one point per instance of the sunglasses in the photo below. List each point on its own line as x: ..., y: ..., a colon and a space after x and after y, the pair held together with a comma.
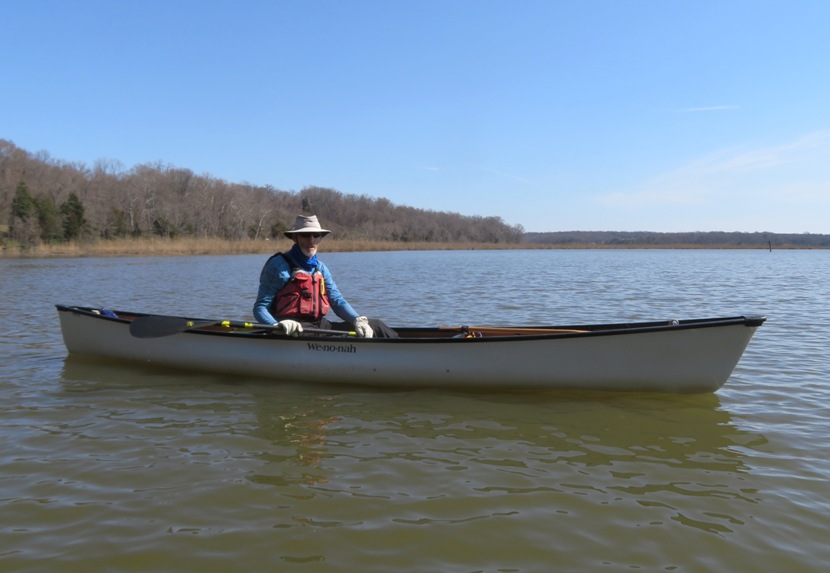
x: 310, y: 235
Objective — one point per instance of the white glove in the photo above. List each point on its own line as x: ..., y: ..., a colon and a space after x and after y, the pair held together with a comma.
x: 361, y: 326
x: 290, y: 327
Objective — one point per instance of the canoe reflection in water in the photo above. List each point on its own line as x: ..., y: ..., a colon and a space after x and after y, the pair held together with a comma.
x: 424, y: 456
x: 298, y: 442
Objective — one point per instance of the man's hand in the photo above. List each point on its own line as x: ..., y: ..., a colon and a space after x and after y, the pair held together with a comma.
x: 290, y: 327
x: 361, y: 326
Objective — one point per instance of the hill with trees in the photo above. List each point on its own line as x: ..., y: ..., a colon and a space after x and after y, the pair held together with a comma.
x: 44, y: 200
x: 697, y: 239
x: 48, y: 201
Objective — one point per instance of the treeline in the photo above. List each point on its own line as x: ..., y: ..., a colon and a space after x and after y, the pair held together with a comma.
x: 712, y: 239
x: 44, y: 200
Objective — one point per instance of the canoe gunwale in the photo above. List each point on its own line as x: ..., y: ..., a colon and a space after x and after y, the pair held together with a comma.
x: 410, y: 335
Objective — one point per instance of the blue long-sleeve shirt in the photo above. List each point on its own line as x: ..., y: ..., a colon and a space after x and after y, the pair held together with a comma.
x: 277, y: 272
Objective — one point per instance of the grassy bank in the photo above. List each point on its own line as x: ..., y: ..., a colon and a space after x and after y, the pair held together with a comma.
x: 158, y: 247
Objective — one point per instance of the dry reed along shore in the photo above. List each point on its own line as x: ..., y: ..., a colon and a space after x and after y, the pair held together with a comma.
x: 159, y: 247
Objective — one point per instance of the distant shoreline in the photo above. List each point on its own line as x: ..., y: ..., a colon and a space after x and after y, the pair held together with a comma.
x: 159, y: 247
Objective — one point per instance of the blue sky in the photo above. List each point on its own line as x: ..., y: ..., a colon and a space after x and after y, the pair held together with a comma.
x: 583, y: 115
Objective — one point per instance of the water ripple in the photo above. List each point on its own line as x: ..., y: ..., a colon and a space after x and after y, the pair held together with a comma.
x: 106, y: 468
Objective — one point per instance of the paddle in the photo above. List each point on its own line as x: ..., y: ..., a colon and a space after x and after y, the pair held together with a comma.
x: 157, y: 326
x: 508, y: 330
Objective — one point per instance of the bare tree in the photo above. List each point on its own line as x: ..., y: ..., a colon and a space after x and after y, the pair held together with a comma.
x: 160, y: 199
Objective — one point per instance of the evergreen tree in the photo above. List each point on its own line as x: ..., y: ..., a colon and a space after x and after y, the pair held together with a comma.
x: 74, y: 223
x: 117, y: 224
x: 23, y: 226
x: 23, y: 205
x: 49, y: 217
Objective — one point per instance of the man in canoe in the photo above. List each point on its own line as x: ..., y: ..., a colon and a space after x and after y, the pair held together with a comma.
x: 296, y: 289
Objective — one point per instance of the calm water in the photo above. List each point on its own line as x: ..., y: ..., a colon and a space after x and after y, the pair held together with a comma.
x: 121, y: 469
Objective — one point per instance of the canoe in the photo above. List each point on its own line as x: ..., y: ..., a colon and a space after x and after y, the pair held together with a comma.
x: 678, y: 356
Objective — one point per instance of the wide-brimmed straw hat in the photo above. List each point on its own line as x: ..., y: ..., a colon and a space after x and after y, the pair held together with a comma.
x: 306, y: 224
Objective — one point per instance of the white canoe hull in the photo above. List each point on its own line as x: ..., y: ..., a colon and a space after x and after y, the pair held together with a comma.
x: 692, y: 357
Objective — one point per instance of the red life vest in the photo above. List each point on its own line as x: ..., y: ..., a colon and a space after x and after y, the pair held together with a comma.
x: 303, y: 297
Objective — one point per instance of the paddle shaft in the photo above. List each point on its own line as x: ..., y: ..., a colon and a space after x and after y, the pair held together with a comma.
x: 276, y: 327
x: 157, y: 326
x: 258, y: 326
